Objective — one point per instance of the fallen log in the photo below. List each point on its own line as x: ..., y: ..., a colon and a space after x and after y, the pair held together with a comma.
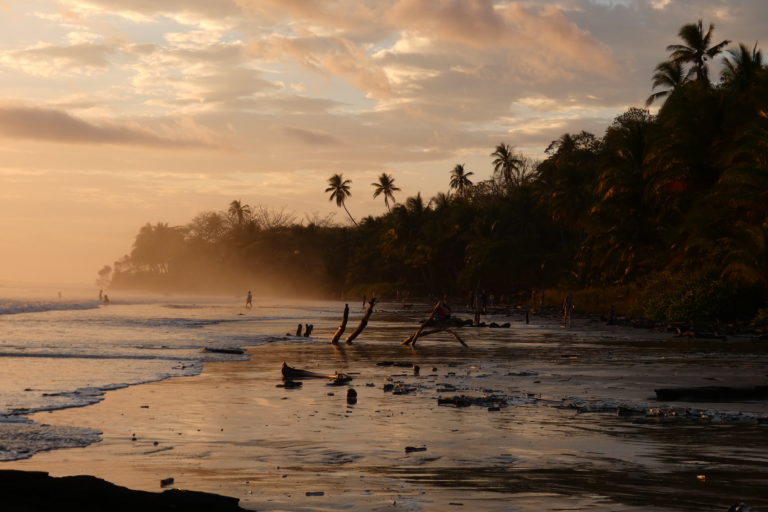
x: 342, y: 327
x: 712, y: 394
x: 411, y: 340
x: 363, y: 321
x: 291, y: 374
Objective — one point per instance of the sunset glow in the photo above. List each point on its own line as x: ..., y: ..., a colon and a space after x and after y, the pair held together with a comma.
x: 115, y: 113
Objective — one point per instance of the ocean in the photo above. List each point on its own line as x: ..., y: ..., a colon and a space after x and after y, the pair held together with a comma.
x: 60, y: 352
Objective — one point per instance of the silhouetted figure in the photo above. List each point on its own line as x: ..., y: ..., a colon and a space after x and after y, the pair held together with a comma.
x: 106, y: 299
x: 101, y: 295
x: 307, y: 330
x: 249, y: 300
x: 298, y: 330
x: 567, y: 310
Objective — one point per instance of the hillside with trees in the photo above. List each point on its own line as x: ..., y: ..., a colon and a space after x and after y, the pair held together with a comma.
x: 670, y: 208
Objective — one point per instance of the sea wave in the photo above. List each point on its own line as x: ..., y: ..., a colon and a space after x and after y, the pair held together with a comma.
x: 15, y: 306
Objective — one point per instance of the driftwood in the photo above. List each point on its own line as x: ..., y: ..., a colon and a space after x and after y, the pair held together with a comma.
x: 411, y: 340
x: 442, y: 325
x: 342, y: 327
x: 290, y: 374
x: 363, y: 321
x: 712, y: 394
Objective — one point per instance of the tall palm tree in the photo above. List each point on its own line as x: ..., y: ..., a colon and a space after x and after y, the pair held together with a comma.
x: 460, y: 181
x: 386, y: 186
x: 507, y: 164
x: 696, y: 50
x: 339, y: 189
x: 669, y: 74
x: 239, y: 211
x: 742, y: 66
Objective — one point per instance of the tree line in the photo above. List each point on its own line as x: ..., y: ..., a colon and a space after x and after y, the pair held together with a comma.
x: 671, y: 206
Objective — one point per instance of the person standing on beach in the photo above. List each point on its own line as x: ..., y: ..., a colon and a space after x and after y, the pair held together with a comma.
x: 567, y: 310
x: 249, y: 300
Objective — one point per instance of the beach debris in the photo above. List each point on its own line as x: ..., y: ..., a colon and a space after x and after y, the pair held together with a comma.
x: 342, y: 327
x: 712, y: 394
x: 439, y: 323
x: 739, y: 507
x: 487, y: 401
x: 224, y: 350
x: 166, y: 482
x: 289, y: 384
x: 290, y: 374
x: 411, y: 449
x: 399, y: 388
x: 416, y: 369
x: 314, y: 493
x: 363, y: 321
x: 351, y: 396
x: 339, y: 379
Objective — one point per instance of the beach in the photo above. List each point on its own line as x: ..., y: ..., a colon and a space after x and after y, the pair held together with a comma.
x: 533, y: 417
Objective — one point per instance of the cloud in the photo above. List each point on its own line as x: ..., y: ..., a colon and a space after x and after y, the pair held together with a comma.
x: 49, y: 60
x: 50, y: 125
x: 311, y: 137
x: 327, y: 55
x: 541, y: 39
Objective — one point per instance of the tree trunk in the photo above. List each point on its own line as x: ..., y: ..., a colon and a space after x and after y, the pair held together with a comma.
x: 343, y: 326
x: 350, y: 215
x: 412, y: 339
x: 363, y: 321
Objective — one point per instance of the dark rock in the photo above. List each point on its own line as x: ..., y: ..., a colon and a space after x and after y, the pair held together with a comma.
x: 224, y: 350
x: 24, y: 491
x: 712, y: 394
x: 351, y: 396
x: 289, y: 384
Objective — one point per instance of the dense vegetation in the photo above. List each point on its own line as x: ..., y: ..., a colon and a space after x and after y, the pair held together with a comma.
x: 671, y: 207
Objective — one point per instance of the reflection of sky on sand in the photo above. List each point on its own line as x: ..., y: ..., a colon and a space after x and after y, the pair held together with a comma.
x: 233, y: 432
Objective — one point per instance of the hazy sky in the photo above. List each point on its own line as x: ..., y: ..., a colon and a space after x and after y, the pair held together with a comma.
x: 114, y: 113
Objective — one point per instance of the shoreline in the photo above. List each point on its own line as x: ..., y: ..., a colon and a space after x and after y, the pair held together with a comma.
x: 230, y: 431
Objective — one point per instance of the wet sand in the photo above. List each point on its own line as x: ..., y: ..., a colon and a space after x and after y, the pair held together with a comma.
x: 232, y: 431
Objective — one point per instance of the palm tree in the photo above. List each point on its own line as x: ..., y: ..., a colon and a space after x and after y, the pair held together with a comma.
x: 742, y: 66
x: 339, y: 189
x: 669, y: 74
x: 239, y: 212
x: 507, y: 164
x: 696, y: 50
x: 460, y: 179
x: 386, y: 186
x: 441, y: 201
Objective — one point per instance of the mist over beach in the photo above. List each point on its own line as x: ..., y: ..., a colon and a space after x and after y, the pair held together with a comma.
x: 384, y: 255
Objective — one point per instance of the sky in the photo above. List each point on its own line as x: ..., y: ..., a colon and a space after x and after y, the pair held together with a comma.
x: 116, y: 113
